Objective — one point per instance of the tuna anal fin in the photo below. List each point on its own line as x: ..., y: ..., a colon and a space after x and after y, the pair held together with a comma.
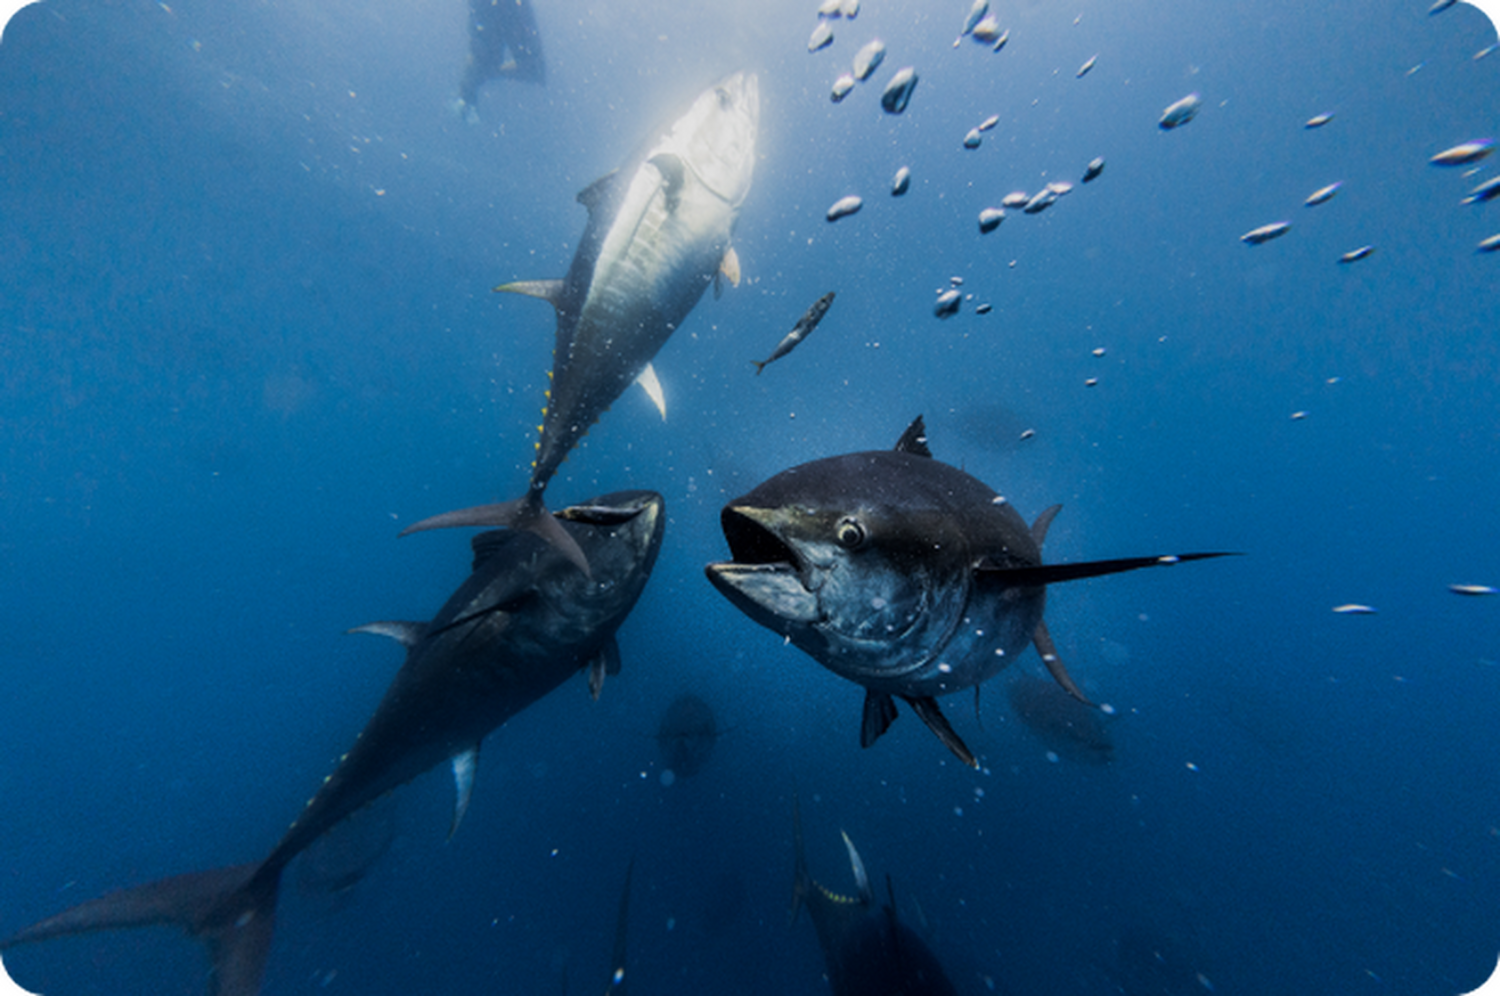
x: 879, y: 714
x: 652, y: 387
x: 1043, y: 521
x: 1048, y: 651
x: 550, y: 291
x: 408, y: 634
x: 465, y: 764
x: 927, y: 708
x: 606, y: 662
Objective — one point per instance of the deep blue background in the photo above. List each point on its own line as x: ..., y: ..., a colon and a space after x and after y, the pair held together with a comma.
x: 246, y: 335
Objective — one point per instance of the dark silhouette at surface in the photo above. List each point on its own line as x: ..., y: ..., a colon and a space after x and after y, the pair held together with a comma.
x: 503, y: 43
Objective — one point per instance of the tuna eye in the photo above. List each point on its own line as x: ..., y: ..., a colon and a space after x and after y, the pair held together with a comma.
x: 850, y: 533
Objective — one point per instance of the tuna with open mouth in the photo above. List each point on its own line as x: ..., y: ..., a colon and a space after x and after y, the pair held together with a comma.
x: 900, y: 573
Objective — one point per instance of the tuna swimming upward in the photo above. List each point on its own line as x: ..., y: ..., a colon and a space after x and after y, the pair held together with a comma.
x: 658, y: 234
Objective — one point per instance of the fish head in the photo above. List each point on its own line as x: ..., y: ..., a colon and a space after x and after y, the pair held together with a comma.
x: 716, y: 137
x: 861, y: 574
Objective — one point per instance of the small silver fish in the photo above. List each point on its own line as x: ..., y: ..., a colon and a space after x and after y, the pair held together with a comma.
x: 946, y: 306
x: 987, y: 30
x: 990, y: 219
x: 1060, y: 187
x: 977, y: 10
x: 1491, y: 244
x: 1083, y: 70
x: 1473, y: 589
x: 800, y: 331
x: 983, y: 309
x: 1440, y: 6
x: 841, y: 88
x: 1354, y: 609
x: 1040, y: 201
x: 1317, y: 121
x: 850, y: 9
x: 868, y: 59
x: 1486, y: 191
x: 989, y: 122
x: 1095, y: 167
x: 1266, y: 233
x: 898, y: 91
x: 1323, y: 194
x: 1463, y: 155
x: 973, y: 138
x: 1355, y: 255
x: 844, y: 207
x: 1015, y: 199
x: 1180, y: 113
x: 1004, y: 37
x: 821, y: 38
x: 902, y: 182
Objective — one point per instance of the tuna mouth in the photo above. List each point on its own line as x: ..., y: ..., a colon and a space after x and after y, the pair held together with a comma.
x: 751, y: 543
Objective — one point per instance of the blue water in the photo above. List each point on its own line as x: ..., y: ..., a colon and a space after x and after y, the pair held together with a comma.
x: 246, y: 335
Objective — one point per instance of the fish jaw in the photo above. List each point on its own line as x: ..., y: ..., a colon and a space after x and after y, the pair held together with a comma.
x: 860, y: 614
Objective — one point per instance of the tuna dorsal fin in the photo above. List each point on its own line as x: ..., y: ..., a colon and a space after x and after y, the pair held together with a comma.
x: 595, y: 192
x: 879, y: 714
x: 550, y: 291
x: 408, y: 634
x: 1043, y: 521
x: 606, y: 662
x: 1057, y: 573
x: 652, y: 386
x: 1048, y: 652
x: 914, y: 439
x: 673, y: 176
x: 465, y: 764
x: 927, y: 708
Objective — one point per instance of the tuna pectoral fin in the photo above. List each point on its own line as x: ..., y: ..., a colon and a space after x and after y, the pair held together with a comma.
x: 465, y: 766
x: 1058, y: 573
x: 523, y: 513
x: 606, y: 662
x: 927, y: 708
x: 879, y: 714
x: 231, y: 910
x: 1048, y: 651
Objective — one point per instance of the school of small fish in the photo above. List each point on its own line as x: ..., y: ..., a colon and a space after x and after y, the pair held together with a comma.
x: 984, y: 27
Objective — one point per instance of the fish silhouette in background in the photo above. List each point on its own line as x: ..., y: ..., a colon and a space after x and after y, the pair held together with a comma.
x: 523, y: 622
x: 867, y: 950
x: 659, y: 231
x: 686, y: 735
x: 1065, y: 725
x: 503, y: 44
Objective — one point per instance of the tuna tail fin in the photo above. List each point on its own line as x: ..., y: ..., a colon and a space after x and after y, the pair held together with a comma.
x: 759, y: 365
x: 232, y: 910
x: 526, y: 513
